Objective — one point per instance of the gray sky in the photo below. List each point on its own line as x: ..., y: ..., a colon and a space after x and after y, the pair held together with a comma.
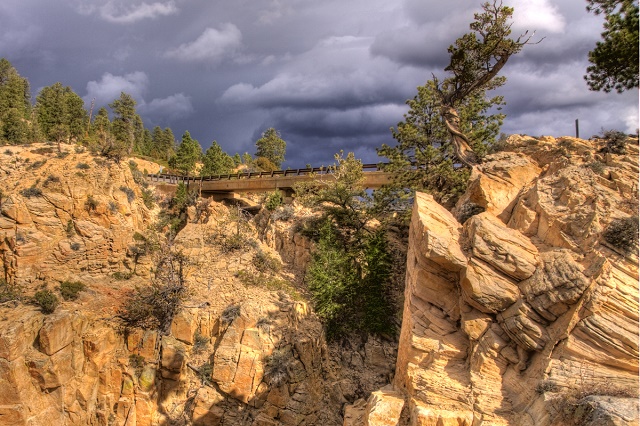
x: 328, y: 75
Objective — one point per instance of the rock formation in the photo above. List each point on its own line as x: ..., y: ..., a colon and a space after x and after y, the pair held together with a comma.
x: 65, y: 215
x: 516, y: 311
x: 244, y: 349
x: 523, y: 314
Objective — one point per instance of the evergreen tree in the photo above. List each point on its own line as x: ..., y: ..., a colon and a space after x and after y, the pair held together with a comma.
x: 615, y: 58
x: 476, y: 58
x: 216, y: 162
x: 350, y: 271
x: 423, y: 158
x: 61, y: 114
x: 188, y: 153
x: 331, y: 279
x: 169, y: 144
x: 15, y: 105
x: 102, y: 139
x: 124, y: 126
x: 271, y: 146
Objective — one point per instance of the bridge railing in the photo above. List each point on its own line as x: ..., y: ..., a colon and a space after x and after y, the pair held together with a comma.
x: 176, y: 179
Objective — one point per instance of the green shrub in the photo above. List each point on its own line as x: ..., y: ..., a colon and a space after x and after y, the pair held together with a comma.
x: 229, y: 314
x: 204, y: 372
x: 8, y: 292
x: 183, y: 198
x: 278, y: 367
x: 264, y: 262
x: 273, y: 200
x: 46, y: 300
x: 598, y: 167
x: 310, y: 227
x: 616, y: 142
x: 147, y: 198
x: 91, y: 204
x: 70, y: 229
x: 264, y: 324
x: 283, y: 213
x: 131, y: 195
x: 113, y: 206
x: 31, y: 192
x: 51, y: 179
x: 37, y: 164
x: 122, y: 276
x: 267, y: 281
x: 200, y: 342
x: 623, y: 233
x: 43, y: 150
x: 231, y: 243
x: 137, y: 363
x: 70, y: 289
x: 83, y: 166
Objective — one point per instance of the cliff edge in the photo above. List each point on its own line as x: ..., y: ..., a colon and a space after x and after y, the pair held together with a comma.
x: 518, y: 311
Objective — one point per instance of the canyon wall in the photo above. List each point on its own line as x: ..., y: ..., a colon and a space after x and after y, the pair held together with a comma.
x: 524, y: 314
x: 66, y: 215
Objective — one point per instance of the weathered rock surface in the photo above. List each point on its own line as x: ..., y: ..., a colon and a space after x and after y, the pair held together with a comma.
x: 509, y: 315
x: 66, y: 216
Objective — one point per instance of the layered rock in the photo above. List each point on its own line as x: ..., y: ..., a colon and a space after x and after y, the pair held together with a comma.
x: 525, y: 306
x: 66, y: 216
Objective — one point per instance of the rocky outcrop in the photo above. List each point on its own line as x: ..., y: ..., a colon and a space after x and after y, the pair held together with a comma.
x: 525, y: 306
x: 66, y: 215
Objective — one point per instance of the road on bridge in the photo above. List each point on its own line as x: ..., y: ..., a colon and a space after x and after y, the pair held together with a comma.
x: 283, y: 180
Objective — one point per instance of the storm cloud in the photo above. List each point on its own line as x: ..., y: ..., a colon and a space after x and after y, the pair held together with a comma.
x: 330, y: 75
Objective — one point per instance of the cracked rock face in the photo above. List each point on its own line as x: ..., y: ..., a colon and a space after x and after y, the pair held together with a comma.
x: 524, y: 305
x: 57, y: 233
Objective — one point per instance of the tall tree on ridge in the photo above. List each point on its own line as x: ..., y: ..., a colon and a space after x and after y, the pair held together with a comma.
x: 615, y: 58
x: 187, y: 154
x: 123, y: 126
x: 271, y: 146
x: 476, y: 59
x: 15, y: 104
x: 61, y: 114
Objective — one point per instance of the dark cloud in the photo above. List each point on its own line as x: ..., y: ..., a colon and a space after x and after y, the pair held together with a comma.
x: 329, y: 75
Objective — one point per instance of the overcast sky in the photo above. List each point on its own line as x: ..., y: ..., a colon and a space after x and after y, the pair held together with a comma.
x: 329, y: 75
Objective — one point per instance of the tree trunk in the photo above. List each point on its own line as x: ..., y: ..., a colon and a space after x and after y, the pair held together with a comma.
x: 460, y: 142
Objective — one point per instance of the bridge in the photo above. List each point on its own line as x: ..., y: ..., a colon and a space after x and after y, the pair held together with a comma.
x: 225, y: 186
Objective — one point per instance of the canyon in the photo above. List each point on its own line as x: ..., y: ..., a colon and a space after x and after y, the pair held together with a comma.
x: 516, y: 311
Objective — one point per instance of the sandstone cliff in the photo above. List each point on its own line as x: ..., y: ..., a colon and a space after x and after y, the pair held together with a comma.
x: 523, y: 314
x: 65, y: 214
x: 517, y: 311
x: 244, y: 349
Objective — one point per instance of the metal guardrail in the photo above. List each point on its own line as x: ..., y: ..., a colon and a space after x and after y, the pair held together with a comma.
x: 176, y: 179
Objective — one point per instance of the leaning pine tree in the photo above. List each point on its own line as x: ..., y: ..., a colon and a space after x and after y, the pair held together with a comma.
x: 476, y: 59
x: 452, y: 122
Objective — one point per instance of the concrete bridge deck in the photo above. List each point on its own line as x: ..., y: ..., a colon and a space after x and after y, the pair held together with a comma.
x: 283, y: 180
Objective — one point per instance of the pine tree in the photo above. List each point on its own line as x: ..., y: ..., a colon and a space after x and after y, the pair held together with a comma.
x: 61, y: 114
x: 271, y: 146
x: 476, y: 58
x: 187, y: 154
x: 15, y: 105
x: 615, y: 58
x: 124, y: 126
x: 423, y: 158
x: 216, y: 162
